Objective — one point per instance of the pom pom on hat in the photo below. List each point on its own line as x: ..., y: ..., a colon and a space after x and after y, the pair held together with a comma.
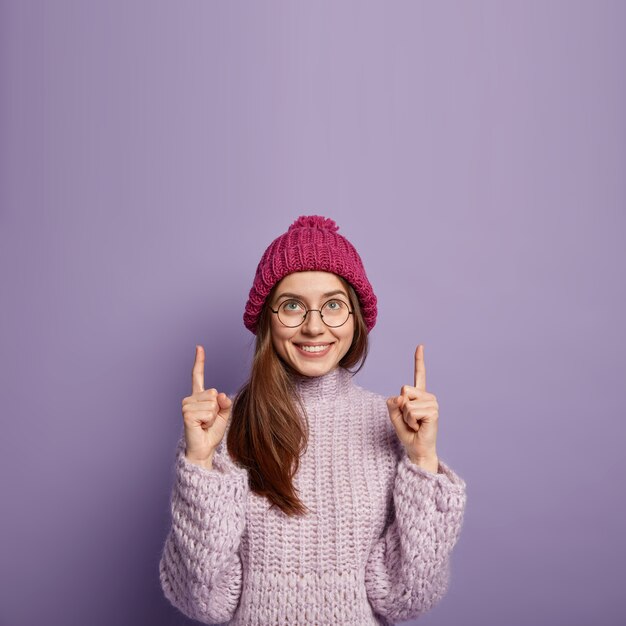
x: 314, y: 221
x: 311, y: 243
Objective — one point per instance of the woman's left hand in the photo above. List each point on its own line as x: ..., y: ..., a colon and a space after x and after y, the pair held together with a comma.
x: 415, y: 414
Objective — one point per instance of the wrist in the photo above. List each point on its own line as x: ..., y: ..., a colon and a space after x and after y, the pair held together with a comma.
x: 206, y: 463
x: 429, y: 463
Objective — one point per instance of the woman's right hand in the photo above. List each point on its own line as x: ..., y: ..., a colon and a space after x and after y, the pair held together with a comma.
x: 205, y: 414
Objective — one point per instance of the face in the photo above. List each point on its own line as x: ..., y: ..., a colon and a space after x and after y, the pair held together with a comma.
x: 310, y: 288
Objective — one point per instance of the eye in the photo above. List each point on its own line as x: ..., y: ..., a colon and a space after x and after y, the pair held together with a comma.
x: 292, y: 305
x: 335, y: 305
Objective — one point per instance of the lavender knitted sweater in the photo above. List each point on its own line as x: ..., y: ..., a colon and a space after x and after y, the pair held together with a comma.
x: 374, y: 550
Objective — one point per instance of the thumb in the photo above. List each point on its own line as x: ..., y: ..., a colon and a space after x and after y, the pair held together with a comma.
x: 394, y: 406
x: 225, y: 403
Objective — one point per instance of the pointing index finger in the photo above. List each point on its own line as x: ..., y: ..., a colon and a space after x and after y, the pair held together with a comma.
x: 420, y: 368
x: 197, y: 373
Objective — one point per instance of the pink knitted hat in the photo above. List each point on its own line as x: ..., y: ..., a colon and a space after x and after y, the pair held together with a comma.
x: 311, y: 243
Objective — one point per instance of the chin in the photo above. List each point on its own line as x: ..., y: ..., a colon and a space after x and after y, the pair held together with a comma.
x: 313, y: 369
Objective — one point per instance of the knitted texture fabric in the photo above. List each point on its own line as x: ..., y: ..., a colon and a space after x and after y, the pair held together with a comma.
x: 311, y: 243
x: 374, y: 549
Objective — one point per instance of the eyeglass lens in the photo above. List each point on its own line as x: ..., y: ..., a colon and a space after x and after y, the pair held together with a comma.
x: 334, y: 313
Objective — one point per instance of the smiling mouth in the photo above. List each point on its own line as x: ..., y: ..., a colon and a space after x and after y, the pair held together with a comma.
x: 318, y: 349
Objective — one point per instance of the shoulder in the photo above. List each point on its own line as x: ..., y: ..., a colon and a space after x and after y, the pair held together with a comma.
x: 376, y: 400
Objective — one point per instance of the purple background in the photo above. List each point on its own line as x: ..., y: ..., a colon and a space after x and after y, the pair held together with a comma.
x: 473, y: 153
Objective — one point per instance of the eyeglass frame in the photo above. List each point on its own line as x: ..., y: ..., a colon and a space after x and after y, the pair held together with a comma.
x: 350, y: 312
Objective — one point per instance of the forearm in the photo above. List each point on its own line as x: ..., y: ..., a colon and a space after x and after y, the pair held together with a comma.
x: 407, y: 572
x: 200, y: 568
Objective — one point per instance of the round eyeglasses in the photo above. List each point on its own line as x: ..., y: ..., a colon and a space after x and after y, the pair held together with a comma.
x: 292, y: 313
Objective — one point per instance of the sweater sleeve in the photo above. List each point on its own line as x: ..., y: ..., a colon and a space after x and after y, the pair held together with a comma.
x: 408, y: 570
x: 200, y: 568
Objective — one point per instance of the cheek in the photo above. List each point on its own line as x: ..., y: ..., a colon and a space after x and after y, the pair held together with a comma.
x: 346, y: 338
x: 277, y: 340
x: 280, y: 337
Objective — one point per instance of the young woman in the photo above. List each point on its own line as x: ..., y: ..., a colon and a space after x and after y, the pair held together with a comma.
x: 304, y: 498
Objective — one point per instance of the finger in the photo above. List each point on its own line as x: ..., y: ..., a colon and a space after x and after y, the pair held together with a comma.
x: 394, y: 407
x: 224, y: 400
x: 197, y: 373
x: 201, y: 418
x: 419, y: 405
x: 413, y: 393
x: 420, y: 368
x: 406, y: 417
x: 202, y: 405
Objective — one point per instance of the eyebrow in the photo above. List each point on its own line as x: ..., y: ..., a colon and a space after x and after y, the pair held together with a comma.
x: 324, y: 295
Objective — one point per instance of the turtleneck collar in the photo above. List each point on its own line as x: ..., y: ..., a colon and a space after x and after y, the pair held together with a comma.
x: 333, y: 383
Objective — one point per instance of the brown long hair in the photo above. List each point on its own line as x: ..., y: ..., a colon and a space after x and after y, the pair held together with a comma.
x: 268, y: 431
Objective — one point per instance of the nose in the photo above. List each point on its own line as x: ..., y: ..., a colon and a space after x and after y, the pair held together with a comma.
x: 313, y: 323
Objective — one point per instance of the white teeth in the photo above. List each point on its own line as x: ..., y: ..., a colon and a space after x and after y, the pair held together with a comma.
x: 314, y: 348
